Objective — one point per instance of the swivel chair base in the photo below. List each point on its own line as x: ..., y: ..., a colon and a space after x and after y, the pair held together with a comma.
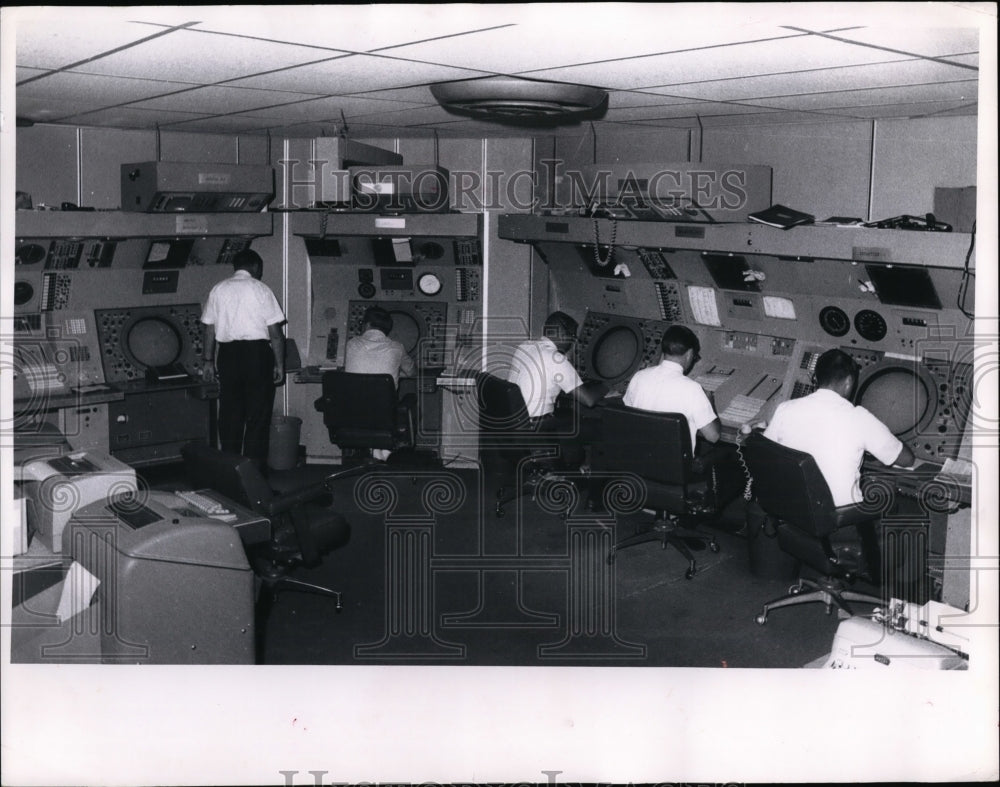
x: 831, y: 593
x: 667, y: 531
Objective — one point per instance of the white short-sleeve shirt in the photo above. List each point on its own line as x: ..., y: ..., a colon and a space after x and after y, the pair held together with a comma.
x: 665, y: 389
x: 837, y: 434
x: 541, y: 372
x: 375, y: 353
x: 241, y: 308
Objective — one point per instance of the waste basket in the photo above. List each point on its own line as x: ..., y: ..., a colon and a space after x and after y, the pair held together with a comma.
x: 283, y: 443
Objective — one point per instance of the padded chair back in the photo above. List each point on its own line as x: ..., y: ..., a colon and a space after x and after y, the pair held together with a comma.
x: 655, y: 446
x: 229, y: 474
x: 503, y: 416
x: 359, y: 410
x: 788, y: 485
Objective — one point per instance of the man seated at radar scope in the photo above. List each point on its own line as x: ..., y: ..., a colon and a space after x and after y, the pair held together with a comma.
x: 666, y: 388
x: 835, y: 432
x: 374, y: 352
x: 542, y: 370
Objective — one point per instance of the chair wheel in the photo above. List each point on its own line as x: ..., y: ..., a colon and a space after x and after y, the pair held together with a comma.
x: 760, y: 620
x: 500, y: 512
x: 714, y: 546
x: 794, y: 590
x: 689, y: 573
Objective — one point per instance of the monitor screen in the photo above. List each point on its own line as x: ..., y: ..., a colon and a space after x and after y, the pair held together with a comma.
x: 897, y: 396
x: 615, y: 353
x: 154, y: 341
x: 728, y: 272
x: 168, y: 253
x: 903, y: 286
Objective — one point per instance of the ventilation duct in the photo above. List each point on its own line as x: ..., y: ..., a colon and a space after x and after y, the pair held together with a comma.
x: 525, y: 102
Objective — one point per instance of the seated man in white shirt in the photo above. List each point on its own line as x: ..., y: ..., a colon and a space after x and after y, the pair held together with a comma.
x: 542, y: 370
x: 374, y: 352
x: 666, y: 388
x: 836, y: 433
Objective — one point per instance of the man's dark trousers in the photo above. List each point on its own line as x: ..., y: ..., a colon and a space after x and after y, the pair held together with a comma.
x: 246, y: 397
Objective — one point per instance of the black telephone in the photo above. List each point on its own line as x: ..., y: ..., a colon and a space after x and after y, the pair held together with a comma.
x: 926, y: 223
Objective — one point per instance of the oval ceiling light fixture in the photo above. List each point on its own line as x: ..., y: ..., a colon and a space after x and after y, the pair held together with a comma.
x: 524, y: 102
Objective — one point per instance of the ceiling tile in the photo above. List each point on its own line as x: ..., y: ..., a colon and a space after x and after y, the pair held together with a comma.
x: 360, y: 73
x: 912, y: 38
x: 952, y: 91
x: 359, y: 28
x: 100, y: 90
x: 330, y: 109
x: 908, y: 72
x: 915, y: 109
x: 686, y: 109
x: 228, y: 124
x: 56, y: 40
x: 128, y: 117
x: 421, y: 94
x: 219, y: 100
x: 794, y: 53
x: 176, y: 54
x: 622, y: 99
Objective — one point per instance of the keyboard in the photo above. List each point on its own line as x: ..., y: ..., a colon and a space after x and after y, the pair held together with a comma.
x: 204, y: 503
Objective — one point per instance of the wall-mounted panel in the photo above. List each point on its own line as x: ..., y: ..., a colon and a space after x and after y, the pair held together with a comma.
x: 912, y: 157
x: 46, y: 164
x: 102, y: 152
x: 820, y: 168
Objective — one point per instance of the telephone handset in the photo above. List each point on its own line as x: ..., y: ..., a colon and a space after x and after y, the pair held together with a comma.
x: 926, y: 223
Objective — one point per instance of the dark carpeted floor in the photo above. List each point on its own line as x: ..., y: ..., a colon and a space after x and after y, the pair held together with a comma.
x: 432, y: 576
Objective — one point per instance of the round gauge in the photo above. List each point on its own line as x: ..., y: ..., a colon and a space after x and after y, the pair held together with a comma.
x: 23, y: 292
x: 834, y: 321
x: 429, y: 284
x: 29, y: 254
x: 870, y: 325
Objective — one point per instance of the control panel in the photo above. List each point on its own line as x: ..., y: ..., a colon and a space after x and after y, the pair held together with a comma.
x: 420, y: 326
x: 135, y: 339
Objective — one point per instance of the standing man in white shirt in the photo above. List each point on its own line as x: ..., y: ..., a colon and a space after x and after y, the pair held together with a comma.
x: 243, y: 321
x: 836, y: 433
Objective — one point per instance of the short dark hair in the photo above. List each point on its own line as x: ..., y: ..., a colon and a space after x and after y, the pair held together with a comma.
x: 560, y: 328
x: 677, y: 340
x: 378, y: 318
x: 246, y: 260
x: 835, y: 366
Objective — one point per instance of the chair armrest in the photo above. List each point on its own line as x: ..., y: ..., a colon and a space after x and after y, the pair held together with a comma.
x: 297, y: 497
x: 283, y: 503
x: 852, y: 515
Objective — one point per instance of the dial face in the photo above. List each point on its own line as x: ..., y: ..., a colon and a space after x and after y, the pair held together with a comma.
x: 834, y: 321
x: 429, y: 284
x: 870, y: 324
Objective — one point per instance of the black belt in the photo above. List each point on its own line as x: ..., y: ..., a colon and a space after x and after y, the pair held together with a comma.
x: 247, y: 341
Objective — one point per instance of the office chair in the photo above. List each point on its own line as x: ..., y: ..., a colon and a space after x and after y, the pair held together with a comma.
x: 303, y: 530
x: 508, y: 437
x: 790, y: 488
x: 361, y: 412
x: 656, y: 447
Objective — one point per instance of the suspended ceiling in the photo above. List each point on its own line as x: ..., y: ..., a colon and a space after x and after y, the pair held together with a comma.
x: 304, y: 71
